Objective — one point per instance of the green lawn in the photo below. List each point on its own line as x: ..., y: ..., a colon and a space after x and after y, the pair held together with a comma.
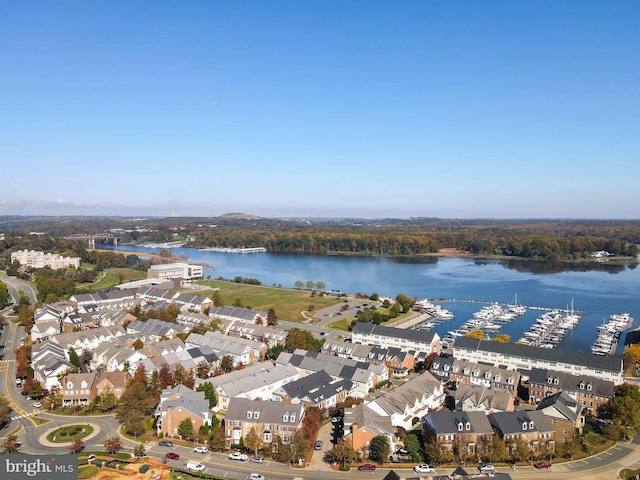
x: 114, y: 276
x: 287, y: 302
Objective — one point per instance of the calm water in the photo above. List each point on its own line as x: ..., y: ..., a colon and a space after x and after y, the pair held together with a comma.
x: 598, y: 293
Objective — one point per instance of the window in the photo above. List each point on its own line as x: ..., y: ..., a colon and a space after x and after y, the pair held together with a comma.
x: 267, y: 437
x: 564, y: 431
x: 581, y: 386
x: 589, y: 386
x: 256, y: 414
x: 524, y: 425
x: 460, y: 426
x: 531, y: 425
x: 249, y: 414
x: 285, y: 417
x: 467, y: 426
x: 292, y: 418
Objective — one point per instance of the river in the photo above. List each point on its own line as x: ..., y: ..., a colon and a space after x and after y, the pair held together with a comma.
x: 598, y: 290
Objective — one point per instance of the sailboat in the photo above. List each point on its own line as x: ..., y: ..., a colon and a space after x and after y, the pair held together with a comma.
x: 514, y: 307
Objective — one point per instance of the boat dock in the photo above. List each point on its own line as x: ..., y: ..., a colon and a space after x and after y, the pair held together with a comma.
x: 481, y: 302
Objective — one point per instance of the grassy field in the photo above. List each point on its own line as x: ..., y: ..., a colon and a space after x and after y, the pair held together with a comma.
x: 287, y: 303
x: 114, y: 276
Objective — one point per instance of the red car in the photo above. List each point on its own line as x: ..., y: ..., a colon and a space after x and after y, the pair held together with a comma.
x: 172, y: 456
x: 367, y: 467
x: 542, y: 465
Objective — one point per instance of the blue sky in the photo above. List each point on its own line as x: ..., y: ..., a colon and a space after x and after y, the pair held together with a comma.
x: 317, y: 109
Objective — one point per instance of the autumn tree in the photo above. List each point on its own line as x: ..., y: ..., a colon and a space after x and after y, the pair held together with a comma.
x: 10, y: 444
x: 502, y: 338
x: 253, y: 440
x: 216, y: 296
x: 138, y: 344
x: 479, y: 334
x: 303, y: 339
x: 344, y: 453
x: 165, y: 377
x: 226, y: 364
x: 77, y: 444
x: 272, y: 318
x: 217, y: 442
x: 203, y: 369
x: 113, y: 444
x: 107, y: 400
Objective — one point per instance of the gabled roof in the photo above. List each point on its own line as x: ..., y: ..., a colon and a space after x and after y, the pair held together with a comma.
x: 446, y: 422
x: 563, y: 403
x: 421, y: 336
x: 576, y: 383
x: 395, y: 401
x: 513, y: 422
x: 254, y: 377
x: 483, y: 397
x: 268, y: 412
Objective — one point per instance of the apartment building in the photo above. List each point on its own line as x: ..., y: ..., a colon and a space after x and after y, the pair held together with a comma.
x: 37, y: 259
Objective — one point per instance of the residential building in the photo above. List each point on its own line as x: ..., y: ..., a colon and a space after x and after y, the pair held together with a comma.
x: 43, y: 330
x: 470, y: 432
x: 406, y: 340
x: 87, y: 339
x: 270, y: 419
x: 78, y: 389
x: 413, y: 398
x: 37, y: 259
x: 524, y: 357
x: 565, y: 414
x: 177, y: 404
x: 315, y: 390
x: 591, y: 392
x: 441, y: 367
x: 474, y: 398
x: 49, y: 363
x: 362, y: 424
x: 116, y: 300
x: 470, y: 373
x: 241, y: 314
x: 529, y: 426
x: 258, y: 381
x: 241, y: 350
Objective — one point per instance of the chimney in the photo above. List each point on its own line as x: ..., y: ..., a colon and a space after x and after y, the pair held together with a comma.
x: 168, y: 426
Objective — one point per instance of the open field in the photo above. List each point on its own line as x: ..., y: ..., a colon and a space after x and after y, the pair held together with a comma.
x: 287, y: 303
x: 114, y: 276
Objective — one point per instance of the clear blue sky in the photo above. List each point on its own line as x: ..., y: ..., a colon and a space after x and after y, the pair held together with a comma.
x: 314, y: 109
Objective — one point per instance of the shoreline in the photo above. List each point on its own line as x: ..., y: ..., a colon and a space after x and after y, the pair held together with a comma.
x: 444, y: 252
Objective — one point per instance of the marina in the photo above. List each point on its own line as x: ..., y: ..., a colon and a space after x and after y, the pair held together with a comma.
x: 609, y: 333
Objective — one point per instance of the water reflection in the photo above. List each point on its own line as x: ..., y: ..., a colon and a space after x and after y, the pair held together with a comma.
x: 547, y: 268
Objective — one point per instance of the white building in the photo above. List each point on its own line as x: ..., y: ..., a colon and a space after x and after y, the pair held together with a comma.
x: 36, y: 259
x: 183, y: 271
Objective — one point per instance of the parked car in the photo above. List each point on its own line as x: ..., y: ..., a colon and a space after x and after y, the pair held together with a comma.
x: 201, y: 450
x: 238, y: 456
x: 165, y: 443
x: 256, y: 476
x: 367, y: 467
x: 424, y: 468
x: 172, y: 456
x: 37, y: 404
x: 542, y: 464
x: 318, y: 445
x: 487, y: 468
x: 257, y: 460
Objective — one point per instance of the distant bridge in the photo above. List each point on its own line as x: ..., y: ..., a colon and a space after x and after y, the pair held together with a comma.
x: 104, y: 237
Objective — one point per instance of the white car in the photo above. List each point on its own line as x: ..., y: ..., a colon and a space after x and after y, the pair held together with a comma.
x: 256, y: 476
x: 198, y: 467
x: 487, y: 468
x: 201, y: 450
x: 37, y: 404
x: 424, y: 468
x: 238, y: 456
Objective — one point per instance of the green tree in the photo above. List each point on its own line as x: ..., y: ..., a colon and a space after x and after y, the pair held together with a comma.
x: 185, y: 428
x: 216, y: 296
x: 73, y: 358
x: 226, y: 364
x: 274, y: 352
x: 299, y: 284
x: 412, y: 444
x: 379, y: 448
x: 140, y: 451
x: 321, y: 285
x: 209, y: 393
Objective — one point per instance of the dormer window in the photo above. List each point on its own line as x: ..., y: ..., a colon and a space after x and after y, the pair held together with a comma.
x: 549, y: 380
x: 466, y: 371
x: 69, y: 385
x: 256, y: 414
x: 524, y: 425
x: 460, y: 426
x: 285, y: 417
x: 455, y: 369
x: 555, y: 381
x: 292, y: 418
x: 83, y: 384
x: 510, y: 380
x: 487, y: 375
x: 589, y: 386
x: 531, y: 425
x: 249, y: 414
x: 467, y: 426
x: 476, y: 373
x: 446, y: 367
x: 581, y: 386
